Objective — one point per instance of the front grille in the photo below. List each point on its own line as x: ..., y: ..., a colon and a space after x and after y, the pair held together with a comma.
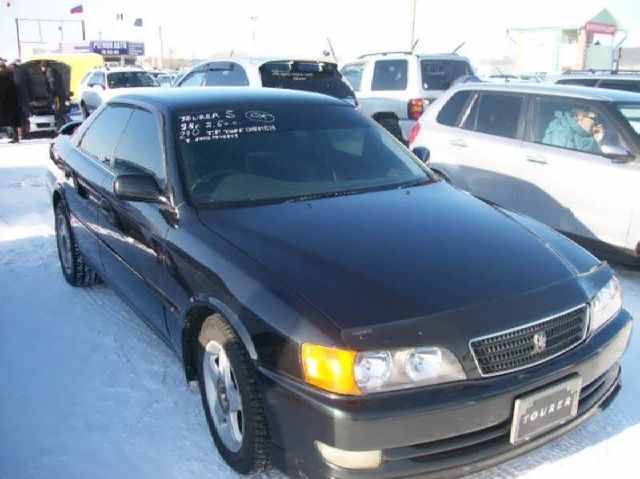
x: 523, y: 347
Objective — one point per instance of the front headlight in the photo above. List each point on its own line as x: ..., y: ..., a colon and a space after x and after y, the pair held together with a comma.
x: 606, y: 303
x: 354, y: 373
x: 405, y: 368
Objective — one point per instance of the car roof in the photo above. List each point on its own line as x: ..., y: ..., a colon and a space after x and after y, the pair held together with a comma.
x: 583, y: 92
x: 191, y: 98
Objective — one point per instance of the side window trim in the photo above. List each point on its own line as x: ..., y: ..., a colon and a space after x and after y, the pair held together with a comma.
x: 162, y: 182
x: 108, y: 167
x: 468, y: 109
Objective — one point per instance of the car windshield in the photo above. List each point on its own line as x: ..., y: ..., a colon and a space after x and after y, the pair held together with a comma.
x: 130, y: 80
x: 439, y: 74
x: 282, y: 153
x: 631, y: 113
x: 318, y: 77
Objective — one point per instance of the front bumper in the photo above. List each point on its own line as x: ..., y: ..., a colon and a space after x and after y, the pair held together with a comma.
x: 42, y: 123
x: 443, y: 431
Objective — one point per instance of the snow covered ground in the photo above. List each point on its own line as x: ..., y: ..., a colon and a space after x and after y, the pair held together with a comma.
x: 87, y: 391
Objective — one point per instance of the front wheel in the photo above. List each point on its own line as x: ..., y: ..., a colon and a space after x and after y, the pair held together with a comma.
x: 230, y: 397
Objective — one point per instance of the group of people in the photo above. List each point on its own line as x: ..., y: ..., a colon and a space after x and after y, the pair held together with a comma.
x: 17, y: 92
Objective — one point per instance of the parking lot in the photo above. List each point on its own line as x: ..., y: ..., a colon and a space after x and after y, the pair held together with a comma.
x: 87, y: 390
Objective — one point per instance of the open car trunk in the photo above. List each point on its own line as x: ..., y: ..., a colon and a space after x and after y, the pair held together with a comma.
x: 42, y: 103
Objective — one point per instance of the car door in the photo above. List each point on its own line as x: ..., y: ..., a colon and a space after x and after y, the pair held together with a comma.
x: 92, y: 96
x: 489, y: 146
x: 86, y: 166
x: 439, y: 132
x: 575, y: 190
x: 132, y: 233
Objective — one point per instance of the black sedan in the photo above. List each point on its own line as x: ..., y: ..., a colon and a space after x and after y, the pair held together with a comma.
x: 345, y: 313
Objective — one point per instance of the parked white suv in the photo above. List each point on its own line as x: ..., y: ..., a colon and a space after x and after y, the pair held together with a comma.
x: 567, y: 156
x: 394, y: 87
x: 102, y: 83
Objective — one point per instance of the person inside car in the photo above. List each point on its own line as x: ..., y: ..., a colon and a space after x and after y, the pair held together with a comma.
x: 579, y: 129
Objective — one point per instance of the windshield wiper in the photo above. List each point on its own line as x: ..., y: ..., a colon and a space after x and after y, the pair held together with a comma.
x: 423, y: 181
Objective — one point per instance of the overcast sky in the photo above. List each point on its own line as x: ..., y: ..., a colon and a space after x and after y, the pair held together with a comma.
x: 203, y: 28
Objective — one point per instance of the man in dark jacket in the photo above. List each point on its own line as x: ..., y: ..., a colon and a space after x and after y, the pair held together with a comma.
x: 56, y: 90
x: 24, y: 84
x: 9, y: 109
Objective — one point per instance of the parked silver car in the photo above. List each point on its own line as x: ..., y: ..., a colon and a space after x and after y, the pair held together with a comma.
x: 307, y: 75
x: 567, y: 156
x: 394, y: 87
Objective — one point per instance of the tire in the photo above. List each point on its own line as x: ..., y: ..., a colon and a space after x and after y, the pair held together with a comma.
x: 248, y: 453
x: 393, y: 127
x: 76, y: 272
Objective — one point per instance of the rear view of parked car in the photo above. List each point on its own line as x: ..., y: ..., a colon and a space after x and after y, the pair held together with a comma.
x: 346, y: 313
x: 567, y: 156
x: 394, y: 88
x: 305, y: 75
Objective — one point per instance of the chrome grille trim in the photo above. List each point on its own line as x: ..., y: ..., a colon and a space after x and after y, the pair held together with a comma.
x: 585, y: 329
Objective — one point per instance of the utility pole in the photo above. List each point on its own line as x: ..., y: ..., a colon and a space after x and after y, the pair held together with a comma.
x: 253, y: 29
x: 413, y: 25
x: 18, y: 38
x: 161, y: 47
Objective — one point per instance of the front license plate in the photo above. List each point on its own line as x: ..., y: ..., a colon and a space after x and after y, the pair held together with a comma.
x: 541, y: 411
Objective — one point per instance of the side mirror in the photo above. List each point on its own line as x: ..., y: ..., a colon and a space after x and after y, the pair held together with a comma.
x: 616, y: 153
x: 69, y: 128
x: 95, y: 86
x: 422, y: 153
x: 136, y: 187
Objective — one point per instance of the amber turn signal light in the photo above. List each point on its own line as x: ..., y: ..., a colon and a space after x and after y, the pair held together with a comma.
x: 330, y: 369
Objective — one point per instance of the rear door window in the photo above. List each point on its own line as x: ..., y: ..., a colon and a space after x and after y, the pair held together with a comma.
x: 390, y: 75
x: 318, y: 77
x: 225, y: 74
x: 101, y: 138
x: 440, y: 74
x: 451, y: 111
x: 353, y: 74
x: 140, y: 149
x: 193, y: 79
x: 495, y: 114
x: 97, y: 79
x: 630, y: 85
x: 578, y: 81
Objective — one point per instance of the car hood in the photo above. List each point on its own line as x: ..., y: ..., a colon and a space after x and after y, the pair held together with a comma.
x: 39, y: 82
x: 379, y: 257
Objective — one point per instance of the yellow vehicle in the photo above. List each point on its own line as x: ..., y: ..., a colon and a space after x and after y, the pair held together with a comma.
x: 79, y: 64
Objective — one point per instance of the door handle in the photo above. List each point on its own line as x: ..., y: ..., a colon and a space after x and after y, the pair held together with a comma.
x: 541, y: 160
x: 458, y: 142
x: 107, y: 211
